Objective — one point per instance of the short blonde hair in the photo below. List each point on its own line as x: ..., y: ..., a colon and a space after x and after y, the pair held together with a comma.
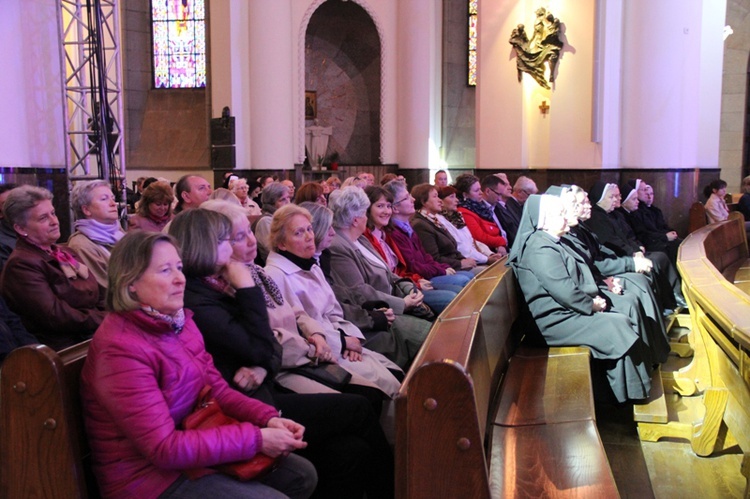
x: 130, y: 258
x: 281, y: 218
x: 232, y: 211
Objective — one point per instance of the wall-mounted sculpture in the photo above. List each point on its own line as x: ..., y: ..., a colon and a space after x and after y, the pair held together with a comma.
x: 534, y: 55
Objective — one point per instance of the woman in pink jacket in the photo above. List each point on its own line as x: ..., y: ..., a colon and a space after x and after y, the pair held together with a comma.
x: 143, y: 374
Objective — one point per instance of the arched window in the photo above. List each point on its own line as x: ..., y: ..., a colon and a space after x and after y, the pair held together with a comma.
x: 178, y: 30
x: 473, y: 43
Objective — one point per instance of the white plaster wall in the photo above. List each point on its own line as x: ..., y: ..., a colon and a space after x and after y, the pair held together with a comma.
x: 31, y: 112
x: 671, y: 83
x: 500, y: 116
x: 419, y: 83
x: 511, y: 130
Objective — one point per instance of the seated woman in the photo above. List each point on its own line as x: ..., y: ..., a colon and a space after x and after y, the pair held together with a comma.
x: 240, y: 189
x: 441, y: 275
x: 564, y: 300
x: 54, y: 293
x: 389, y: 273
x: 435, y: 237
x: 311, y: 191
x: 154, y: 210
x: 716, y: 207
x: 341, y: 253
x: 301, y: 282
x: 346, y: 444
x: 453, y: 221
x: 144, y: 372
x: 274, y: 196
x: 477, y: 214
x: 613, y: 231
x: 97, y: 226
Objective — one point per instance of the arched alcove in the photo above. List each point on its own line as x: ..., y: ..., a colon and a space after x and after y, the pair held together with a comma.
x: 343, y: 66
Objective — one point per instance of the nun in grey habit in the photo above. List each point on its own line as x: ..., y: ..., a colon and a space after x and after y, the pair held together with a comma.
x: 566, y: 304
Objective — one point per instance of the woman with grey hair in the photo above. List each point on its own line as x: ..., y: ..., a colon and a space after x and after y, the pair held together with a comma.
x: 274, y: 196
x: 355, y: 266
x: 97, y: 227
x: 54, y: 293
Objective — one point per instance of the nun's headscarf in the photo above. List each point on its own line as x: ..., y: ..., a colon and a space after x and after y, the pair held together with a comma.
x: 534, y: 217
x: 565, y: 193
x: 628, y: 191
x: 599, y: 192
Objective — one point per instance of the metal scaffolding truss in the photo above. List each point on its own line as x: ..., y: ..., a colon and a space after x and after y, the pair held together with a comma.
x: 92, y: 73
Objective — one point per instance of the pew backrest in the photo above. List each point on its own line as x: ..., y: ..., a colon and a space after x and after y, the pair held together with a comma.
x: 42, y: 440
x: 455, y: 379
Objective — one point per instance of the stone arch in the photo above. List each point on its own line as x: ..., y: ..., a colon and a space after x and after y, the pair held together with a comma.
x: 346, y: 66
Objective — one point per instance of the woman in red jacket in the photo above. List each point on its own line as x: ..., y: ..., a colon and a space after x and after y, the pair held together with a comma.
x: 478, y: 214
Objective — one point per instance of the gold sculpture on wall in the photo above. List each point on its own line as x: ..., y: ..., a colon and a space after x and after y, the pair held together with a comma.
x: 534, y: 55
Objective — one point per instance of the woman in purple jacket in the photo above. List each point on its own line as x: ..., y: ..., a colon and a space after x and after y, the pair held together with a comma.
x: 143, y: 374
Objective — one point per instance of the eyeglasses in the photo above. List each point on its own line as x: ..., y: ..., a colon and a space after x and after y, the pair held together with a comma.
x: 239, y: 239
x: 493, y: 190
x: 401, y: 200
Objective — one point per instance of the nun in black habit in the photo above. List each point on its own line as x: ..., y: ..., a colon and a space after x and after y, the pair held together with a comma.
x: 565, y: 302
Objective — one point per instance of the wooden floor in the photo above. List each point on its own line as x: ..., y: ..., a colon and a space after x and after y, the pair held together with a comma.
x: 666, y: 469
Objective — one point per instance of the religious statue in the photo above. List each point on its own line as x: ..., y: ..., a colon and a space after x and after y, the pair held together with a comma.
x: 534, y: 55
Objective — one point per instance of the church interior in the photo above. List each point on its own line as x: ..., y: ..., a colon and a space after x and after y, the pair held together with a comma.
x: 304, y: 90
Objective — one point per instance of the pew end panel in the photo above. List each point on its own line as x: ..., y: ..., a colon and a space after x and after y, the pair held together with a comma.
x: 441, y: 414
x: 42, y: 440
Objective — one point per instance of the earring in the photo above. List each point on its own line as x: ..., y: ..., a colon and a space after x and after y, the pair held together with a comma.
x: 25, y: 235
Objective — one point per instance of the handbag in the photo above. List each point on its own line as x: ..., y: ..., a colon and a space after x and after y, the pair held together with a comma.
x: 331, y: 375
x: 208, y: 414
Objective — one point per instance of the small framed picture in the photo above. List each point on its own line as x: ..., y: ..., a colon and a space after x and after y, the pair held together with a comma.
x: 311, y: 105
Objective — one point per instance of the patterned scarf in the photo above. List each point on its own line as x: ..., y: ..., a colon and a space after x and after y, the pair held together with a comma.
x: 271, y: 292
x: 478, y: 207
x: 456, y: 218
x: 432, y: 218
x: 176, y: 321
x: 218, y: 283
x: 71, y: 267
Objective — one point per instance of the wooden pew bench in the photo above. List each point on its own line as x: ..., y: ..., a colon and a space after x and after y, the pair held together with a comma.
x: 479, y: 417
x: 43, y: 447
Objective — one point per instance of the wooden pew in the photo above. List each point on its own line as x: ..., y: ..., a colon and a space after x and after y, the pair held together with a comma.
x: 720, y: 336
x: 478, y: 417
x: 42, y: 442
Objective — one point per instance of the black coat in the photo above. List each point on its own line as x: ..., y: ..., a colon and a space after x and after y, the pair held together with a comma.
x: 236, y: 329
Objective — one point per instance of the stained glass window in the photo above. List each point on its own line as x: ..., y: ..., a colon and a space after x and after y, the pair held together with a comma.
x: 473, y: 42
x: 179, y: 36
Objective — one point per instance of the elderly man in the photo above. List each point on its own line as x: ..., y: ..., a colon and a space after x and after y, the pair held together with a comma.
x: 522, y: 189
x: 648, y: 222
x: 191, y: 192
x: 441, y: 179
